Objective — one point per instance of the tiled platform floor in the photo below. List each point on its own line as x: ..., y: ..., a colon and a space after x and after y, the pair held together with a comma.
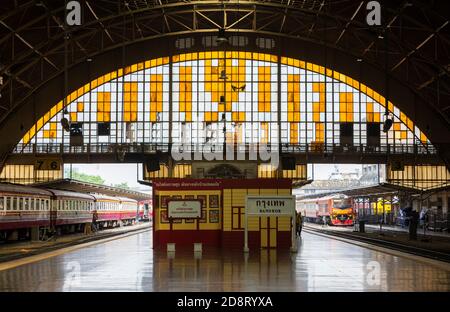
x: 322, y: 264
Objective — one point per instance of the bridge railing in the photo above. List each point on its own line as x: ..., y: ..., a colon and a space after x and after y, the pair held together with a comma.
x: 313, y: 148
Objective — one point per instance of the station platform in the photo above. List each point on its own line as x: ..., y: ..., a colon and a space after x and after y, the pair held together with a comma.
x: 18, y: 250
x: 395, y: 228
x: 321, y: 264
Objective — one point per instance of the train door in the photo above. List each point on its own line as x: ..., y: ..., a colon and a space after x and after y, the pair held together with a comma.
x: 268, y: 232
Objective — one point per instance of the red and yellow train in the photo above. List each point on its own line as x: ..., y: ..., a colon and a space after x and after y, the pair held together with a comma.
x: 26, y: 207
x: 333, y: 210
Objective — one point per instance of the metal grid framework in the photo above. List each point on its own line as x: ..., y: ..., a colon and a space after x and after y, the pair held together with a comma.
x: 255, y: 97
x: 411, y: 45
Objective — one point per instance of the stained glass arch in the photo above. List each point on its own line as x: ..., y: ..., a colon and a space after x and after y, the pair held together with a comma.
x: 256, y: 97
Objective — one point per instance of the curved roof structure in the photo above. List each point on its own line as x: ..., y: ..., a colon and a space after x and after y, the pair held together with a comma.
x: 405, y: 59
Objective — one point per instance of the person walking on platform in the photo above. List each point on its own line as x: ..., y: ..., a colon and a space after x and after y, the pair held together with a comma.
x: 298, y: 222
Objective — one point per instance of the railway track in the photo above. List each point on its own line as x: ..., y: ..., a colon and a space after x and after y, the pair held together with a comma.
x: 436, y: 255
x: 56, y: 246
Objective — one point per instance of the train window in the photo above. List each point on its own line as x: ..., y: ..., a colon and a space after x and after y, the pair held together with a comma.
x: 8, y: 203
x: 19, y: 203
x: 26, y: 204
x: 2, y: 203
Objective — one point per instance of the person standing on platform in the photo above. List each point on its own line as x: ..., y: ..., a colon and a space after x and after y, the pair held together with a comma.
x: 298, y: 222
x: 413, y: 222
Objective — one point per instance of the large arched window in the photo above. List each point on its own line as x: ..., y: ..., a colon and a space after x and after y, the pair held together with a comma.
x: 256, y: 97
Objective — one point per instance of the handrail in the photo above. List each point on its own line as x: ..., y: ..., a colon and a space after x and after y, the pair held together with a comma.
x: 314, y: 148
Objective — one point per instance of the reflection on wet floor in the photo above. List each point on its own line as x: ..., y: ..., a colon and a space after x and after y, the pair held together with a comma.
x: 130, y: 264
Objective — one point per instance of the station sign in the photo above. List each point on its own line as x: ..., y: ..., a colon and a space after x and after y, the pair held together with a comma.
x: 186, y: 209
x: 270, y: 205
x: 47, y: 164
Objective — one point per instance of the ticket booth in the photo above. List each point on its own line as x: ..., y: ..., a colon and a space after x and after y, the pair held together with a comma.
x: 221, y: 222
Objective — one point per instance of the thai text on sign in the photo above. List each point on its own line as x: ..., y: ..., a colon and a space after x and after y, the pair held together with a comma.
x: 273, y: 205
x: 185, y: 209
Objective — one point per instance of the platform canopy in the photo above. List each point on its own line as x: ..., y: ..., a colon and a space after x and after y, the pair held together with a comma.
x: 85, y: 187
x: 380, y: 189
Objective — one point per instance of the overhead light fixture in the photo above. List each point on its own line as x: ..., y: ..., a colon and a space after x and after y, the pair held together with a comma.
x: 380, y: 36
x: 221, y: 38
x: 388, y: 122
x: 359, y: 60
x: 65, y: 124
x: 89, y: 59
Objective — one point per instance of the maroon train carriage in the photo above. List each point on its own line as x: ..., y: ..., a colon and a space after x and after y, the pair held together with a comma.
x: 26, y: 207
x: 71, y: 210
x: 129, y: 210
x: 22, y: 208
x: 113, y: 211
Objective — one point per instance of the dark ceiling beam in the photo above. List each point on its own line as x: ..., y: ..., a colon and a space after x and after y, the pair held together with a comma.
x: 420, y: 45
x: 18, y: 9
x: 198, y: 12
x: 172, y: 9
x: 164, y: 15
x: 285, y: 15
x: 29, y: 45
x: 349, y: 22
x: 100, y: 23
x: 249, y: 13
x: 322, y: 4
x: 432, y: 79
x: 208, y: 19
